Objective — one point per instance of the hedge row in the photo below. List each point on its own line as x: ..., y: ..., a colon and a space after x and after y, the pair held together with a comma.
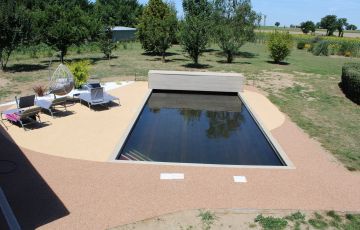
x: 350, y: 81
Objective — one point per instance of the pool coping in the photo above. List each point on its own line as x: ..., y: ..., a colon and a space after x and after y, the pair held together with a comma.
x: 272, y: 141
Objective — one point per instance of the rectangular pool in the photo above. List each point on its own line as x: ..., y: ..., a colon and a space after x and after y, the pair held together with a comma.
x: 198, y: 127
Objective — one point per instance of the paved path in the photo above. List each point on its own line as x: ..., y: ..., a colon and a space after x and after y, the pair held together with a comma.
x: 59, y: 193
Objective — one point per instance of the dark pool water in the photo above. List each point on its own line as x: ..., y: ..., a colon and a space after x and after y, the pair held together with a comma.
x: 206, y: 128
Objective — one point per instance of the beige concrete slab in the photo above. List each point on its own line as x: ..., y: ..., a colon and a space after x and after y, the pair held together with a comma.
x: 85, y: 134
x: 100, y: 195
x: 93, y: 135
x: 265, y: 111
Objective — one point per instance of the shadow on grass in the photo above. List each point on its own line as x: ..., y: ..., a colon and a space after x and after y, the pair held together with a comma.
x: 280, y: 63
x: 210, y: 50
x: 158, y: 59
x: 246, y: 55
x: 167, y: 54
x: 179, y: 59
x: 234, y: 62
x: 25, y: 67
x: 238, y: 55
x: 93, y: 60
x: 197, y: 66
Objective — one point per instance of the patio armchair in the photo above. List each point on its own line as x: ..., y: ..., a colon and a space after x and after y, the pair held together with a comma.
x: 97, y: 96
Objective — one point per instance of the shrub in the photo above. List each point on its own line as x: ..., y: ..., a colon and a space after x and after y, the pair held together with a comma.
x: 349, y: 48
x: 334, y: 48
x: 350, y: 81
x: 318, y: 223
x: 280, y: 45
x: 80, y: 70
x: 321, y: 48
x: 269, y: 223
x: 307, y: 46
x: 301, y: 45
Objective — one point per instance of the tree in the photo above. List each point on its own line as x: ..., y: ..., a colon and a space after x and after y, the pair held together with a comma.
x: 341, y: 25
x: 351, y: 27
x: 119, y: 13
x: 157, y: 27
x: 280, y: 45
x: 329, y: 23
x: 63, y: 23
x: 318, y: 25
x: 277, y: 24
x: 307, y: 27
x: 195, y: 30
x: 15, y: 27
x: 106, y: 43
x: 235, y: 23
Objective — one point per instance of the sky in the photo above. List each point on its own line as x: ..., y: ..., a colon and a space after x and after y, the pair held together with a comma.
x: 294, y: 12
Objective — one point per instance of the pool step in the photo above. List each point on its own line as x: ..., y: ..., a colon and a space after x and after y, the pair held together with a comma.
x: 134, y: 155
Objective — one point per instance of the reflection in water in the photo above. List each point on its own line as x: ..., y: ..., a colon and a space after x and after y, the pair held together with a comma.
x: 222, y: 124
x: 190, y: 115
x: 155, y: 110
x: 197, y: 128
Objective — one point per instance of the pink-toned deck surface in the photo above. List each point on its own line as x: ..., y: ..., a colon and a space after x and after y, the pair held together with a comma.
x: 98, y: 195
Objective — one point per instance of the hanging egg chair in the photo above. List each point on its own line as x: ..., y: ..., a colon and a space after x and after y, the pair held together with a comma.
x: 62, y: 81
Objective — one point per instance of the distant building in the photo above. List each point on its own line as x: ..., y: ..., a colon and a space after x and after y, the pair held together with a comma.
x: 121, y: 33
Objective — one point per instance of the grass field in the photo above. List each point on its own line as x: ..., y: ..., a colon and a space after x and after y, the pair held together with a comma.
x: 305, y: 87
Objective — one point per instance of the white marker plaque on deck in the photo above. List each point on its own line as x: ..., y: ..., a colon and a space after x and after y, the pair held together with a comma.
x: 240, y: 179
x: 171, y: 176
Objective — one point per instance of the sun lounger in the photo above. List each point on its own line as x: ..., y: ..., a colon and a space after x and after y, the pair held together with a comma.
x: 92, y: 83
x: 97, y: 96
x: 22, y: 116
x: 50, y: 105
x: 25, y: 102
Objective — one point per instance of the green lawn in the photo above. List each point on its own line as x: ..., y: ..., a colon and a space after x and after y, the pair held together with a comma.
x: 305, y: 88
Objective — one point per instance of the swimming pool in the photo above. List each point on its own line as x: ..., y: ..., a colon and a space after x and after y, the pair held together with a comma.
x: 200, y: 128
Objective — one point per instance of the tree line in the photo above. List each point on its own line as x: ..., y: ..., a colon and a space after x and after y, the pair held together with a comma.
x: 61, y: 24
x: 229, y: 23
x: 330, y: 23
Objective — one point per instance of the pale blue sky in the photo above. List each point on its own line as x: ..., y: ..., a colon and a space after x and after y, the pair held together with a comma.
x: 296, y: 11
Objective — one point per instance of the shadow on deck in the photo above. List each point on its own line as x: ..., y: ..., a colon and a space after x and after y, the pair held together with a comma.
x: 31, y: 199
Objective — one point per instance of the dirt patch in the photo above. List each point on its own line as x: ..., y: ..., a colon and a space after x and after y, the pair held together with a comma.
x: 273, y: 81
x: 3, y: 82
x: 305, y: 74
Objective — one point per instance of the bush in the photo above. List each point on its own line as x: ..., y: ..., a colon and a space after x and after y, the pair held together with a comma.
x: 301, y: 45
x: 271, y: 223
x: 334, y: 49
x: 80, y: 70
x: 349, y: 49
x: 350, y: 81
x: 280, y: 45
x: 321, y: 48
